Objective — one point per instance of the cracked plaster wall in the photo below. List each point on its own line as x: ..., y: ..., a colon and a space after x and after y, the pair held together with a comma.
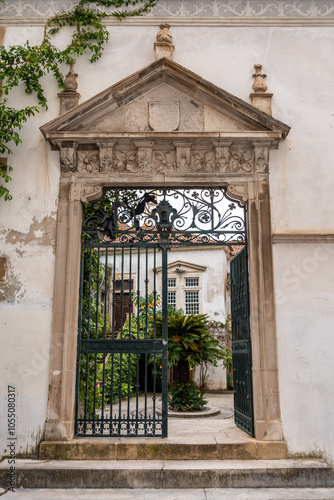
x: 302, y: 189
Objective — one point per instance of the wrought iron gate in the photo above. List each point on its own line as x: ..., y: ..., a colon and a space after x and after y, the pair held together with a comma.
x: 122, y: 355
x: 241, y: 343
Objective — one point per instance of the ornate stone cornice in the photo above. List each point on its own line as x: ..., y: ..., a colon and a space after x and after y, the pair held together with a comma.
x: 168, y: 157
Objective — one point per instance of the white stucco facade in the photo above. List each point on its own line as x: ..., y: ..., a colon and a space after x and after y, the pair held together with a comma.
x: 298, y: 62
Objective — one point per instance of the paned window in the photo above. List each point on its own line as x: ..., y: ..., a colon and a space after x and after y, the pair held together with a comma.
x: 171, y: 298
x: 184, y: 291
x: 191, y: 299
x: 191, y: 282
x: 171, y: 282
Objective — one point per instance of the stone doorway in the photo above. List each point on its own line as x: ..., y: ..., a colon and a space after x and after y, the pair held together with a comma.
x: 115, y: 139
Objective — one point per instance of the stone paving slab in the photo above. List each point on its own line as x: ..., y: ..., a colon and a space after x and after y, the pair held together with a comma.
x: 173, y: 494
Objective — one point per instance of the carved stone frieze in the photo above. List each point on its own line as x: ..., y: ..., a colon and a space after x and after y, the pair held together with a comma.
x: 202, y: 161
x: 144, y: 155
x: 241, y: 160
x: 261, y: 159
x: 222, y: 149
x: 149, y: 157
x: 106, y: 156
x: 183, y: 156
x: 68, y: 158
x: 125, y: 161
x: 164, y: 161
x: 88, y: 161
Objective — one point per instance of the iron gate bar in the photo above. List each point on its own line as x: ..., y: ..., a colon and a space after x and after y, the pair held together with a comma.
x: 121, y: 346
x: 164, y: 337
x: 105, y: 350
x: 241, y: 343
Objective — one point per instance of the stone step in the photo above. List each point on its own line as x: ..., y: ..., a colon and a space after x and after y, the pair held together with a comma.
x: 170, y: 474
x: 160, y: 449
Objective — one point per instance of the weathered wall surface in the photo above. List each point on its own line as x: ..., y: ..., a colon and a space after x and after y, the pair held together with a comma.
x: 301, y: 184
x: 28, y: 228
x: 304, y: 276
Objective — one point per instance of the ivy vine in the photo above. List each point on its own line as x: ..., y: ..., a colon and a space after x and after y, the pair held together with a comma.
x: 27, y: 64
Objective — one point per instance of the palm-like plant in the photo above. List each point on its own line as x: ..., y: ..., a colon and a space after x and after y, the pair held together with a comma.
x: 189, y: 342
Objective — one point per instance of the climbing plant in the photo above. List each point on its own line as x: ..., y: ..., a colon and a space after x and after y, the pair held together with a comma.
x: 27, y: 64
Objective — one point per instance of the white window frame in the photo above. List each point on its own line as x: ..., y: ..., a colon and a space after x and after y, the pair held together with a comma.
x: 181, y: 288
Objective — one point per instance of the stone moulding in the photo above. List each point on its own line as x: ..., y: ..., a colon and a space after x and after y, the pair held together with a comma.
x: 199, y: 21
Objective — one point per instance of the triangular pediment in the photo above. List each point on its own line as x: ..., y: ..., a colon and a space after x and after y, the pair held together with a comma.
x: 181, y: 266
x: 164, y: 97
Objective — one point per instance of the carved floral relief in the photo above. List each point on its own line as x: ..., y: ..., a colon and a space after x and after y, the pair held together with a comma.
x: 203, y: 161
x: 125, y: 161
x: 241, y: 160
x: 88, y: 161
x: 164, y: 161
x: 182, y: 158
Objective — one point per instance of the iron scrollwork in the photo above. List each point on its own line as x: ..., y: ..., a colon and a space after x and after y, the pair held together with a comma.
x: 169, y: 216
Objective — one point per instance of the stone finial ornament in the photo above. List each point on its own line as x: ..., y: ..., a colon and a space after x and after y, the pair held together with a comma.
x: 70, y: 81
x: 259, y: 84
x: 164, y: 44
x: 69, y: 98
x: 260, y: 99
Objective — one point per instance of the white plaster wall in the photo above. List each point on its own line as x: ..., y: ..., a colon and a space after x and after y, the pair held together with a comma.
x: 304, y: 276
x: 215, y: 378
x: 27, y: 237
x: 298, y: 62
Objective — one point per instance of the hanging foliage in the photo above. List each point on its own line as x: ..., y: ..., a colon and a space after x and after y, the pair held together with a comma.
x: 27, y: 64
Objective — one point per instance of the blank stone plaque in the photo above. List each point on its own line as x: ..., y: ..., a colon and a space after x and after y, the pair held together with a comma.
x: 164, y: 116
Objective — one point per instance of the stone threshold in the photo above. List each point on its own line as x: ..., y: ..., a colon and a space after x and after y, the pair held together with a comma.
x: 160, y: 449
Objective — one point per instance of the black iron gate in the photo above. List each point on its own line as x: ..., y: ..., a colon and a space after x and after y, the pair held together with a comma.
x: 119, y: 352
x: 241, y: 343
x: 122, y: 356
